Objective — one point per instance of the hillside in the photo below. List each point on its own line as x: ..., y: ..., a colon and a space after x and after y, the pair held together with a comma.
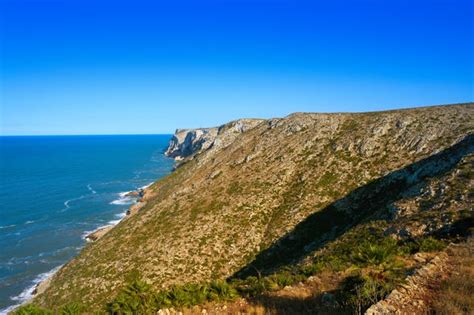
x: 281, y: 194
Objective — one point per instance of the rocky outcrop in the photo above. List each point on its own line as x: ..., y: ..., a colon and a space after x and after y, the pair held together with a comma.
x: 188, y: 142
x: 97, y: 234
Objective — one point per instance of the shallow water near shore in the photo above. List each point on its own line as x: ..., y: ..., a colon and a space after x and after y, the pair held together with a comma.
x: 54, y: 190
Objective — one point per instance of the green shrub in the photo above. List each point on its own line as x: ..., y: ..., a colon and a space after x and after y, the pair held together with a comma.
x: 180, y: 296
x: 71, y: 309
x: 336, y: 262
x: 431, y: 244
x: 286, y: 278
x: 312, y: 269
x: 221, y: 291
x: 135, y: 298
x: 31, y: 309
x: 253, y: 286
x: 427, y: 244
x: 198, y: 293
x: 360, y: 291
x: 375, y: 254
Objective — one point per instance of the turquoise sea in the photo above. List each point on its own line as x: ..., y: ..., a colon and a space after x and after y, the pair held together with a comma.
x: 56, y: 189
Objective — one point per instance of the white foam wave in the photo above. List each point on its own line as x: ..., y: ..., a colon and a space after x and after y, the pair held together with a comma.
x: 30, y: 221
x: 27, y: 293
x: 121, y: 215
x: 124, y: 199
x: 87, y: 233
x: 146, y: 186
x: 67, y: 202
x: 91, y: 190
x: 7, y: 226
x: 125, y: 193
x: 114, y: 222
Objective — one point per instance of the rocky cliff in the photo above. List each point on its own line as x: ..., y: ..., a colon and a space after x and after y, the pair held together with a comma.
x: 256, y: 197
x: 186, y: 143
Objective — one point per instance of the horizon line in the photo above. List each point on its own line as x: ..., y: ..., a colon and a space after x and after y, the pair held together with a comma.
x: 425, y: 106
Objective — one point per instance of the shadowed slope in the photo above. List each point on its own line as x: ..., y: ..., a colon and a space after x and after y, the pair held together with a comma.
x: 371, y: 201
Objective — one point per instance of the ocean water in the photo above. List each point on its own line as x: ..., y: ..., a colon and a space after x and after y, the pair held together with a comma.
x: 55, y: 189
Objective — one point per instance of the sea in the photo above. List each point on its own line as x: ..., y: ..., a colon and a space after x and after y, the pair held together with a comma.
x: 54, y: 190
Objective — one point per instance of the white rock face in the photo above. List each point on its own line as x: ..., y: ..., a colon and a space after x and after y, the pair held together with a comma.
x: 189, y: 142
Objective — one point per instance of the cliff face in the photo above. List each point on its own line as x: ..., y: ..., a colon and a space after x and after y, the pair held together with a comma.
x: 267, y: 194
x: 188, y: 142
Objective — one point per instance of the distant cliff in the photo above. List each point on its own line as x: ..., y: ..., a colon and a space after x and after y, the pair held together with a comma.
x: 188, y: 142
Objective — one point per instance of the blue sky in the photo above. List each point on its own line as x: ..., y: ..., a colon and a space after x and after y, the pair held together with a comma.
x: 119, y: 67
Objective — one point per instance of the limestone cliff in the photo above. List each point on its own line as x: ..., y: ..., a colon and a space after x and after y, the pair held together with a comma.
x: 188, y: 142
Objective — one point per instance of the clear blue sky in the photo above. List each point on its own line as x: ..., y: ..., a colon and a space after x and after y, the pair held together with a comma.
x: 107, y: 67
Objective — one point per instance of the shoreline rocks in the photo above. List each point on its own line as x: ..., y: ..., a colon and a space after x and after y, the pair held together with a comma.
x: 97, y: 234
x: 134, y: 208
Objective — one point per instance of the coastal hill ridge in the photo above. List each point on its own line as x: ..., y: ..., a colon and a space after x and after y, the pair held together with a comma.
x: 254, y: 198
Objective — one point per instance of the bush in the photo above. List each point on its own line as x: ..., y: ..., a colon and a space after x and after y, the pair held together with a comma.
x: 431, y: 244
x: 312, y: 269
x: 253, y: 286
x: 221, y: 291
x: 360, y: 291
x: 31, y: 309
x: 286, y: 278
x: 375, y: 254
x: 135, y: 298
x: 427, y: 244
x: 72, y: 309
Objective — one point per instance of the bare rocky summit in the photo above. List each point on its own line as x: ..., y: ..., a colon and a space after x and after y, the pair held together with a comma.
x: 258, y: 195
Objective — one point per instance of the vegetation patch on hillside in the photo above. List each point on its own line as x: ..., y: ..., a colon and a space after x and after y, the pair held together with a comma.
x: 368, y: 263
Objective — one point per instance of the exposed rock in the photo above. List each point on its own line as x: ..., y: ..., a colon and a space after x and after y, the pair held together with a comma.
x: 135, y: 208
x: 97, y: 234
x: 42, y: 286
x: 134, y: 193
x: 189, y: 142
x: 409, y: 299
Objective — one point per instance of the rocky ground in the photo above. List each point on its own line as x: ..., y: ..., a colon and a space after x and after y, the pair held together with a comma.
x: 419, y: 293
x: 277, y: 194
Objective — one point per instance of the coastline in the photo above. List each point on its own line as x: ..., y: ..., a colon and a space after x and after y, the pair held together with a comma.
x: 136, y: 197
x: 41, y: 283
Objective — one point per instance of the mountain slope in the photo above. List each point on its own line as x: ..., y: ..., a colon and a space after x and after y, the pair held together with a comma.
x: 225, y: 209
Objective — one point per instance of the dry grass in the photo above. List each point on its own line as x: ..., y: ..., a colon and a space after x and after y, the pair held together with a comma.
x: 455, y: 295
